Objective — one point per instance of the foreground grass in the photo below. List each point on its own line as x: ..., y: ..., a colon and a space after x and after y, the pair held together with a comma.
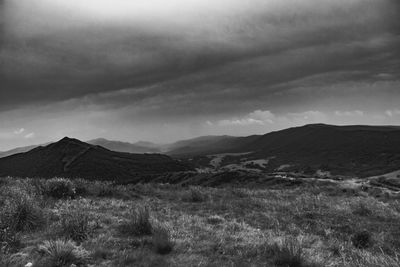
x: 62, y: 222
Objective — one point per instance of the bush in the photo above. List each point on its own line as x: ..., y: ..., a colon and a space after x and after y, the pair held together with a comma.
x: 82, y: 187
x: 94, y: 188
x: 161, y: 240
x: 59, y: 188
x: 362, y: 240
x: 194, y: 195
x: 105, y: 189
x: 139, y: 223
x: 60, y: 253
x: 75, y: 226
x: 20, y: 211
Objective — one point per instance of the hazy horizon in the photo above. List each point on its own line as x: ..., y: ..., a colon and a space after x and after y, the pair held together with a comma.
x: 162, y: 71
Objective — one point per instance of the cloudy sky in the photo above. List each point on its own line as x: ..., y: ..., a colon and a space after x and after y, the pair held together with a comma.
x: 163, y: 70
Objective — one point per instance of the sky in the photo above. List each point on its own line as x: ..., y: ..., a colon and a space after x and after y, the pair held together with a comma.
x: 164, y: 70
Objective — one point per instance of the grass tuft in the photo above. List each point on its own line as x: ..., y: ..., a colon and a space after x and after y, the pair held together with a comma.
x: 60, y: 253
x: 194, y: 194
x: 75, y: 226
x: 139, y: 223
x: 289, y: 254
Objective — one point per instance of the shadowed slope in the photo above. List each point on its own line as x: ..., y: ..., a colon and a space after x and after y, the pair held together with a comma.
x: 73, y: 158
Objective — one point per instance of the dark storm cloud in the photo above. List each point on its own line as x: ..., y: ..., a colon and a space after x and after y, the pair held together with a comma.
x: 130, y: 70
x: 237, y: 54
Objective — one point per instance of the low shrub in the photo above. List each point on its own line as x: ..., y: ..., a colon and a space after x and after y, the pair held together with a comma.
x: 105, y: 189
x: 59, y: 188
x: 20, y: 211
x: 161, y: 240
x: 139, y: 223
x: 362, y: 239
x: 61, y: 253
x: 82, y: 187
x: 194, y: 194
x: 75, y: 226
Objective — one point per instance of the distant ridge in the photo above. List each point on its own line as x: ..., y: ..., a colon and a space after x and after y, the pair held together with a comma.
x: 358, y: 150
x: 73, y: 158
x: 139, y: 147
x: 349, y: 150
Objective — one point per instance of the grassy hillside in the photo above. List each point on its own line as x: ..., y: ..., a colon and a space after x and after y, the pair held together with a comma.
x: 360, y: 151
x: 59, y: 222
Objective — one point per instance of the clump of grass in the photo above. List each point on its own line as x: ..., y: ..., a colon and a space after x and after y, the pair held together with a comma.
x: 362, y: 239
x: 19, y: 211
x: 161, y: 240
x: 215, y: 219
x: 362, y: 209
x: 105, y: 189
x: 59, y: 188
x: 289, y: 254
x: 139, y: 222
x: 194, y: 194
x: 60, y: 253
x: 76, y: 226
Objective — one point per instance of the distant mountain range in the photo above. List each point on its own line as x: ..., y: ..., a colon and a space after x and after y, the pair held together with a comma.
x: 343, y: 150
x: 73, y: 158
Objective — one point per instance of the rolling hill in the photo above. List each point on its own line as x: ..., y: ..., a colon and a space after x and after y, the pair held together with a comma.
x: 343, y: 150
x: 73, y: 158
x: 347, y: 150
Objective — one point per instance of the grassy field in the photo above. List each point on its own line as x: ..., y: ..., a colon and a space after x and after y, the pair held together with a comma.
x: 59, y: 222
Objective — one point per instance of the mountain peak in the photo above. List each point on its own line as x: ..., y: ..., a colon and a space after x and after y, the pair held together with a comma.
x: 66, y: 138
x: 69, y: 142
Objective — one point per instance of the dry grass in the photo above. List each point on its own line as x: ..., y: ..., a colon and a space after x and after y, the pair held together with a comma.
x: 168, y: 225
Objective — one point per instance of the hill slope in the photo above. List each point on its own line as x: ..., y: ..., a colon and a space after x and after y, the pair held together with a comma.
x: 16, y: 151
x: 73, y: 158
x: 347, y: 150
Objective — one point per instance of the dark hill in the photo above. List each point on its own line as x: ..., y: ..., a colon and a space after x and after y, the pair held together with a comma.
x: 348, y: 150
x: 73, y: 158
x: 359, y: 150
